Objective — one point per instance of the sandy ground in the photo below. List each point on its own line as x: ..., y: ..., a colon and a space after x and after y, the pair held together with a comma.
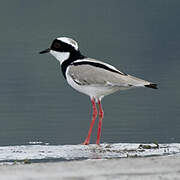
x: 148, y: 168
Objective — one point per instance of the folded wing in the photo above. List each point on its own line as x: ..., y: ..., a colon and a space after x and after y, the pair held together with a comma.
x: 94, y: 74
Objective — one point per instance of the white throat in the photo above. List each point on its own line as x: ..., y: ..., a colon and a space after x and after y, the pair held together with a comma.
x: 60, y: 56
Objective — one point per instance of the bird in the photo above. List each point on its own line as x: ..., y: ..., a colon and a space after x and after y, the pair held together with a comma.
x: 91, y: 77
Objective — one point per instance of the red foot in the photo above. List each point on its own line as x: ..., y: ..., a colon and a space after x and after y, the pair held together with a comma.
x: 86, y: 142
x: 97, y: 142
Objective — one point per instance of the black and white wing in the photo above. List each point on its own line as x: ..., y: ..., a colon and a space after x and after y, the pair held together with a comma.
x: 97, y: 73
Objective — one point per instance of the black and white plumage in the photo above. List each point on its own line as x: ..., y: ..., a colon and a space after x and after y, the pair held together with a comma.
x: 90, y: 76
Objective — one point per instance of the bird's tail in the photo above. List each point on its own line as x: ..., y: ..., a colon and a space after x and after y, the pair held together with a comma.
x: 137, y: 82
x: 151, y: 85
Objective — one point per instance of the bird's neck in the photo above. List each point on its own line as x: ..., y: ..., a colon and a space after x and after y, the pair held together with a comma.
x: 76, y: 55
x: 60, y: 56
x: 67, y: 56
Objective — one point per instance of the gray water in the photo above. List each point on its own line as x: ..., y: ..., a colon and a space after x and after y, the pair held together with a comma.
x: 139, y: 37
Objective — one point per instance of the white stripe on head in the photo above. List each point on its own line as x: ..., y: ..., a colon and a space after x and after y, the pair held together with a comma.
x: 69, y: 41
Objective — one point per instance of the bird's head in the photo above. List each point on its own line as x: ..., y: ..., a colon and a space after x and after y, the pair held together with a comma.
x: 61, y: 48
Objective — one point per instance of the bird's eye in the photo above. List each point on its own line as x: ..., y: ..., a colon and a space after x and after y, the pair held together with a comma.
x: 56, y: 45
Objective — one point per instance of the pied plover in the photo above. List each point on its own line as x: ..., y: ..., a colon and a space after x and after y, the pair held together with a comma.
x: 91, y: 77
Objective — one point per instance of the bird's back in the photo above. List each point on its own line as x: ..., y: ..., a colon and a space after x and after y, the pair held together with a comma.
x: 93, y: 72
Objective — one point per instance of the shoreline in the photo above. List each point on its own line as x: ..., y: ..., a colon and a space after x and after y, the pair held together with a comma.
x: 157, y: 167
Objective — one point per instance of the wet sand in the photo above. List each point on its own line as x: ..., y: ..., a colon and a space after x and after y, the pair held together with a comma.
x: 145, y: 168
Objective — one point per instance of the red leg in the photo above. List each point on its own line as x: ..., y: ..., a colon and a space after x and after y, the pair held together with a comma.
x: 101, y: 115
x: 86, y: 142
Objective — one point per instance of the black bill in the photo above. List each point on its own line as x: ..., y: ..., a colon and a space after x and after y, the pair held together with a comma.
x: 45, y: 51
